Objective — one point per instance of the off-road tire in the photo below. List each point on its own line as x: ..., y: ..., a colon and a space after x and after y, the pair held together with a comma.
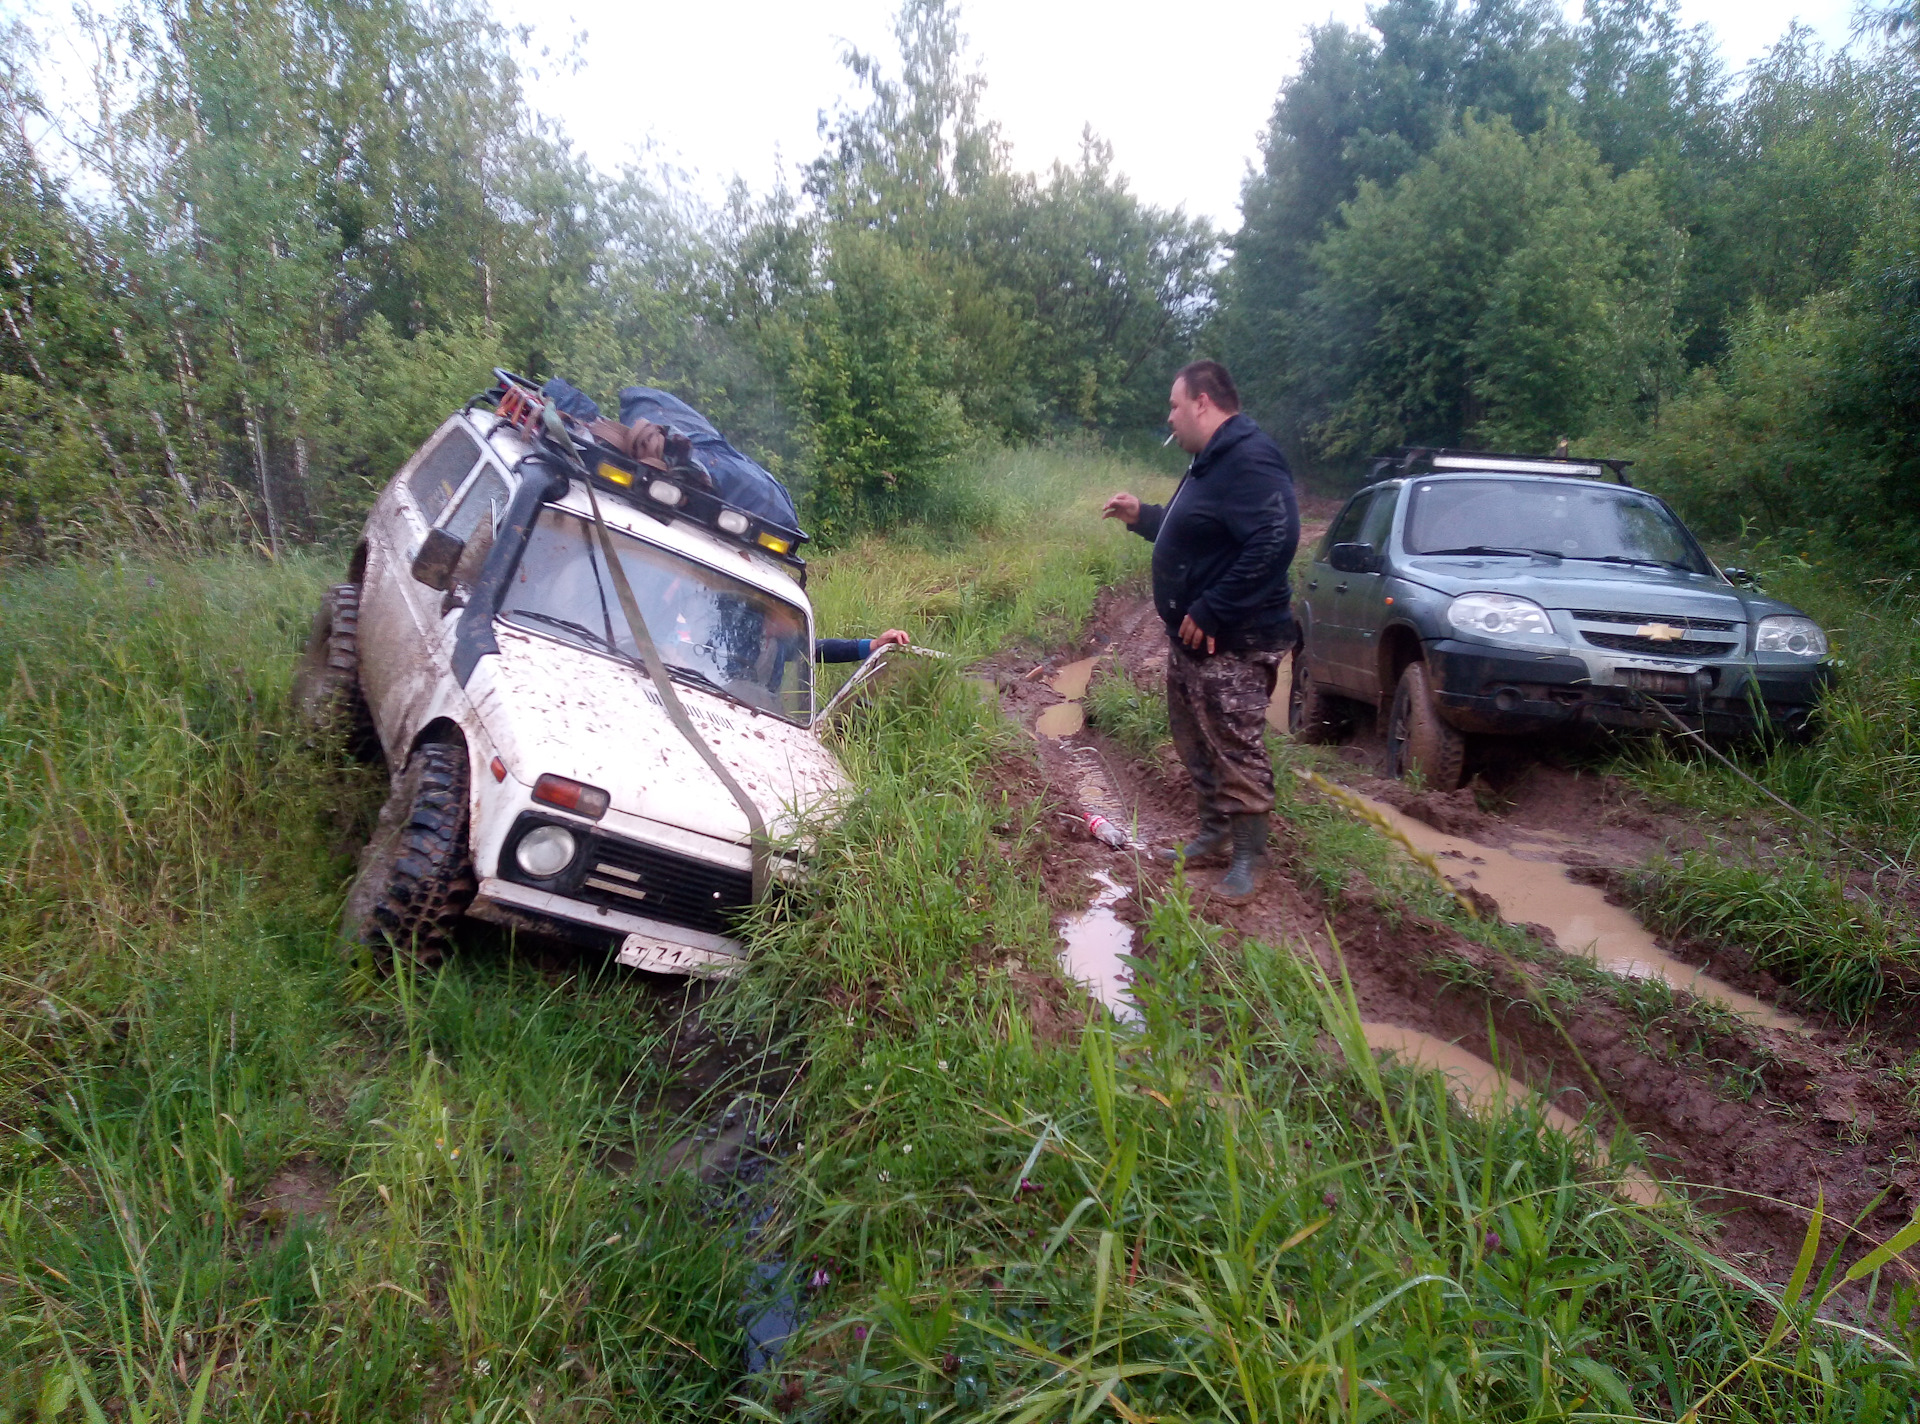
x: 326, y: 687
x: 416, y: 874
x: 1314, y: 715
x: 1417, y: 735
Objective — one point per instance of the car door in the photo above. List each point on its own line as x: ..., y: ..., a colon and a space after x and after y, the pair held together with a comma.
x: 1330, y: 631
x: 394, y: 670
x: 1364, y: 601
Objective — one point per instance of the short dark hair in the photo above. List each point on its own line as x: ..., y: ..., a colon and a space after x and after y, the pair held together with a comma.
x: 1210, y: 379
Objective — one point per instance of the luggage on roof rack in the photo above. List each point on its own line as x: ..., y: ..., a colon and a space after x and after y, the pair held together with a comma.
x: 1427, y: 459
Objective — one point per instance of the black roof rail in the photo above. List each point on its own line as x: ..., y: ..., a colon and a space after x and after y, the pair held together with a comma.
x: 1433, y: 460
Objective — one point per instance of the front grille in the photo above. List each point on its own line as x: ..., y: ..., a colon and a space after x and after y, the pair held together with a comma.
x: 1701, y: 625
x: 1683, y: 648
x: 644, y: 880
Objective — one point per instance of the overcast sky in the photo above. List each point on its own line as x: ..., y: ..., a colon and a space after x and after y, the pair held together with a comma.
x: 1180, y: 91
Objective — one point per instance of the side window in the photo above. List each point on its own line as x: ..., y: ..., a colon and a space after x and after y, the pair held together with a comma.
x: 1346, y: 528
x: 441, y: 471
x: 1378, y: 524
x: 475, y: 520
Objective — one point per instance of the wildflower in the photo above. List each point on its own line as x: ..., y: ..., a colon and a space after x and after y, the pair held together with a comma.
x: 859, y: 1332
x: 1330, y: 1198
x: 1027, y: 1184
x: 941, y: 1065
x: 886, y: 1176
x: 819, y: 1280
x: 483, y: 1367
x: 907, y: 1149
x: 1493, y: 1242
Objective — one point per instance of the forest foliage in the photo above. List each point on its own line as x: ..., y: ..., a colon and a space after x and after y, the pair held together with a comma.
x: 1480, y: 223
x: 277, y: 241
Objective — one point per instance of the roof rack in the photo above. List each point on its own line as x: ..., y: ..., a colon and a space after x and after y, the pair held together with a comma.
x: 665, y: 493
x: 1427, y: 459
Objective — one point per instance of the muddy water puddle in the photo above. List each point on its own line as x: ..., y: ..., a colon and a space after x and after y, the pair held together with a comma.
x: 1529, y: 886
x: 1065, y: 718
x: 1481, y: 1089
x: 1093, y: 941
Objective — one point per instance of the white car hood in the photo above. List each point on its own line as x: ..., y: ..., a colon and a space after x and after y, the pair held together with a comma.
x: 551, y: 707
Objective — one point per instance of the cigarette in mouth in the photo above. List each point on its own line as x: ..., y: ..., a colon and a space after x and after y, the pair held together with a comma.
x: 1169, y: 440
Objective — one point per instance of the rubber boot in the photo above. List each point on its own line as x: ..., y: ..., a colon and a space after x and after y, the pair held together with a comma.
x: 1237, y: 886
x: 1214, y: 833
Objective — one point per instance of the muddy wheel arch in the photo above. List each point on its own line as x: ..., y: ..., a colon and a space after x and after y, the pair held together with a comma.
x: 1399, y: 647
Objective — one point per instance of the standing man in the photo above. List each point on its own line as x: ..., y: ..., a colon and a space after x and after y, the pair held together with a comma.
x: 1221, y: 550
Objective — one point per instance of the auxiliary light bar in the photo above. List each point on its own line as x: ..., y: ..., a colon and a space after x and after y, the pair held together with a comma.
x: 1518, y: 467
x: 688, y: 494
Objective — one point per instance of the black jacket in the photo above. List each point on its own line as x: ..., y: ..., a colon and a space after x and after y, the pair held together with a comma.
x: 1222, y: 546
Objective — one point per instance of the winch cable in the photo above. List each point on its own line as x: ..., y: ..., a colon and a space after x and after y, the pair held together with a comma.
x: 1878, y: 861
x: 656, y: 667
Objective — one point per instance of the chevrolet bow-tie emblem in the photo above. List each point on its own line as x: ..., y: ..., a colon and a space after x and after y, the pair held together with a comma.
x: 1660, y: 632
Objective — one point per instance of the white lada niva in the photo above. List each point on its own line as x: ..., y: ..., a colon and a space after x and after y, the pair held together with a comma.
x: 541, y: 777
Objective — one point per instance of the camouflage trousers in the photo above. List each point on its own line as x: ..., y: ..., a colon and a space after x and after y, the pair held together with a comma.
x: 1218, y: 708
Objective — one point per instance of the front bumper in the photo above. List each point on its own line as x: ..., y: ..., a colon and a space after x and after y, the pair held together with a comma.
x: 657, y: 908
x: 636, y: 940
x: 1499, y: 690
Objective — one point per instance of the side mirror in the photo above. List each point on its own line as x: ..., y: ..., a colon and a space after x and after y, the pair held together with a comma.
x: 1740, y: 576
x: 439, y: 552
x: 1352, y: 558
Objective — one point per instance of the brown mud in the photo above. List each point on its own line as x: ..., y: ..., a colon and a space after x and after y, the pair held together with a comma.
x: 1751, y: 1115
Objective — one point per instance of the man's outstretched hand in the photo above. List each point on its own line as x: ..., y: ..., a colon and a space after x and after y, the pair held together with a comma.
x: 1193, y: 637
x: 891, y: 636
x: 1123, y: 507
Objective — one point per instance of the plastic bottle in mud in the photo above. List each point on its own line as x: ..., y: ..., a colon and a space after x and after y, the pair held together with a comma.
x: 1104, y: 831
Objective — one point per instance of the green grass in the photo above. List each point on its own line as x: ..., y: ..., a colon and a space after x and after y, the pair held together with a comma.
x: 1202, y: 1217
x: 1820, y: 915
x: 990, y: 1207
x: 1134, y: 716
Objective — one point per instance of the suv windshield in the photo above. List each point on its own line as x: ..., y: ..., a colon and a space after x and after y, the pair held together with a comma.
x: 1562, y: 520
x: 712, y: 630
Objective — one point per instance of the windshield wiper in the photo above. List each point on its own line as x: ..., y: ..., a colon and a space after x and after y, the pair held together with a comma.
x: 682, y: 672
x: 1497, y: 549
x: 1626, y: 559
x: 572, y: 627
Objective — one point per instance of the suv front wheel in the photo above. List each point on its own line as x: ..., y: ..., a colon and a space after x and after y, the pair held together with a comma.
x: 416, y: 876
x: 1418, y: 737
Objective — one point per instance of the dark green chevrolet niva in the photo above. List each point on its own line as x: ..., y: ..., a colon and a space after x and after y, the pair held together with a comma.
x: 1469, y: 593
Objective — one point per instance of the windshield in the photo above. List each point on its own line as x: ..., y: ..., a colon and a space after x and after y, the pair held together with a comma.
x: 1547, y: 517
x: 712, y: 631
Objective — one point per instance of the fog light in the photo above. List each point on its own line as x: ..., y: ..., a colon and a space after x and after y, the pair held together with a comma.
x: 666, y: 492
x: 733, y: 521
x: 545, y: 851
x: 774, y: 542
x: 614, y: 475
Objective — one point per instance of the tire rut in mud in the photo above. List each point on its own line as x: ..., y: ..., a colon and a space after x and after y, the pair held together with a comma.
x: 1756, y: 1123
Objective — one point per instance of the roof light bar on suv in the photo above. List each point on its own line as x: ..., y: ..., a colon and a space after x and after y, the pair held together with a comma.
x: 1420, y: 459
x: 665, y: 494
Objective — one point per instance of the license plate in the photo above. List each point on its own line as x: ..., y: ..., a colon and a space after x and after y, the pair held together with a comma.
x: 1647, y: 680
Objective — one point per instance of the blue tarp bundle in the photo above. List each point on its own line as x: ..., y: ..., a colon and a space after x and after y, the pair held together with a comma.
x: 737, y: 479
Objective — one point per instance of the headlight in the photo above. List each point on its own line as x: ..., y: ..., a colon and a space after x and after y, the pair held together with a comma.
x: 1783, y: 633
x: 1498, y: 615
x: 545, y: 851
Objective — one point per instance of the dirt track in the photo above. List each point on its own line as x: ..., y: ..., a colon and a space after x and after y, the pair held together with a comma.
x: 1755, y: 1121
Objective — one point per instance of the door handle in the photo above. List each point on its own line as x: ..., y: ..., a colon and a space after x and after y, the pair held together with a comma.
x: 1339, y: 588
x: 1312, y: 584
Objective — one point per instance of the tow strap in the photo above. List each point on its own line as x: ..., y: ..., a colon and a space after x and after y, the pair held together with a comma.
x: 657, y: 671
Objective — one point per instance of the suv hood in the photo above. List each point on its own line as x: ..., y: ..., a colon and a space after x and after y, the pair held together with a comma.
x: 1617, y: 588
x: 551, y: 707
